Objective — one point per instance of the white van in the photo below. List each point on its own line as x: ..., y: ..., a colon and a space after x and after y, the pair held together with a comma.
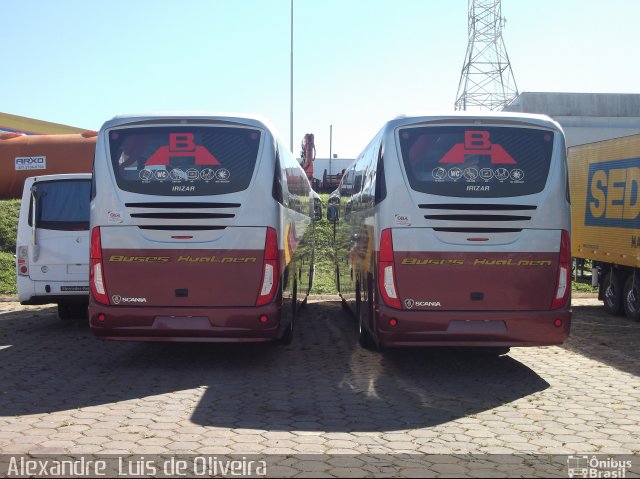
x: 52, y: 245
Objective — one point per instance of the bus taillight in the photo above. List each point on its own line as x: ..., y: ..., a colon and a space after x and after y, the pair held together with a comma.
x: 96, y: 276
x: 23, y: 261
x: 386, y: 273
x: 564, y: 272
x: 270, y: 272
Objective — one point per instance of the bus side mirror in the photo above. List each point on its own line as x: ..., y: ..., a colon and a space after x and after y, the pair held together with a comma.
x: 332, y: 213
x: 317, y: 210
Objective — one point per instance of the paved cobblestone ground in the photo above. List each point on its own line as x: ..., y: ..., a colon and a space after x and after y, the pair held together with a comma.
x: 63, y: 391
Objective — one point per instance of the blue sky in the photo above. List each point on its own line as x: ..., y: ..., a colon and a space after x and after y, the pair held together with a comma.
x: 357, y: 63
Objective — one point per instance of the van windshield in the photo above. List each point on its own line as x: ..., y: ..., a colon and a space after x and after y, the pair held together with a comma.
x: 62, y: 205
x: 184, y: 161
x: 476, y: 161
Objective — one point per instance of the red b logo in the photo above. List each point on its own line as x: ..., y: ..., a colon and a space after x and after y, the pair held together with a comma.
x: 181, y: 142
x: 476, y: 142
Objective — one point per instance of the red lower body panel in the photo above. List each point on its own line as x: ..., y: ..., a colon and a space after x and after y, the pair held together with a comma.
x: 472, y: 328
x: 128, y: 323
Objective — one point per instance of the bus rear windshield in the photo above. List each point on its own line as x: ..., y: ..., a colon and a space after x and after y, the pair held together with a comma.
x: 184, y: 161
x: 62, y: 205
x: 476, y: 161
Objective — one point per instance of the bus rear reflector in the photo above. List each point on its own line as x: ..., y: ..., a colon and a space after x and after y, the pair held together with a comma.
x: 269, y: 283
x: 96, y: 275
x: 563, y: 284
x: 386, y: 273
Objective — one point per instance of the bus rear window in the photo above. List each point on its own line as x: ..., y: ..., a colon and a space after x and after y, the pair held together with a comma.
x: 476, y: 161
x: 184, y: 161
x: 62, y: 205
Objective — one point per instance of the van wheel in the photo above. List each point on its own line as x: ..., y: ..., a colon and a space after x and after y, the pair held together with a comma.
x: 69, y: 311
x: 632, y: 298
x: 65, y: 311
x: 612, y: 296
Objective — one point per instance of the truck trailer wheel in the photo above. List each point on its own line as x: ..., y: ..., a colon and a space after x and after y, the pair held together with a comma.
x: 612, y: 289
x: 632, y: 298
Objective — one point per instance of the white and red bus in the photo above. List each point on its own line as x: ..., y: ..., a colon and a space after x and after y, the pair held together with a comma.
x: 201, y: 230
x: 454, y: 230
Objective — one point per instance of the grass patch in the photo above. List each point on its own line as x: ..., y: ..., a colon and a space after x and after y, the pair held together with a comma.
x: 324, y: 280
x: 7, y: 274
x: 583, y: 286
x: 9, y: 212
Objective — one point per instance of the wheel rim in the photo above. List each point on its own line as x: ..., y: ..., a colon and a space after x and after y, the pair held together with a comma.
x: 632, y: 300
x: 610, y: 295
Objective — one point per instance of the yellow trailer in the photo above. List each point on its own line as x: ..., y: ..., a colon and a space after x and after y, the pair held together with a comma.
x: 605, y: 208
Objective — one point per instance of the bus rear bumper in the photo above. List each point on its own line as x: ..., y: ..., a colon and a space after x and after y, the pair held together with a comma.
x: 45, y: 292
x: 472, y: 328
x: 186, y: 324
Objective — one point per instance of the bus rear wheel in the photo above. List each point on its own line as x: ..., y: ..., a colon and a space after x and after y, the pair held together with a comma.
x: 364, y: 336
x: 612, y: 296
x: 632, y: 298
x: 287, y: 335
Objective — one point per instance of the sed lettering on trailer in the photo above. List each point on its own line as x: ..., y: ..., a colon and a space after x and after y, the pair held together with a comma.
x: 613, y: 194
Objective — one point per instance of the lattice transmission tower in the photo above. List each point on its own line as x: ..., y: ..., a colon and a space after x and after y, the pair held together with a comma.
x: 486, y: 81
